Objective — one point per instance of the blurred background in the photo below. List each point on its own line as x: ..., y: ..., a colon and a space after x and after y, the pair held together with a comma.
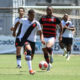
x: 8, y: 13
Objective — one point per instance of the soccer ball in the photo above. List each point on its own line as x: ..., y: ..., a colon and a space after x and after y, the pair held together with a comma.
x: 43, y: 65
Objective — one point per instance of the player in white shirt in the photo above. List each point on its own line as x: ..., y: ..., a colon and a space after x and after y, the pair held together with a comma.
x: 67, y: 37
x: 16, y: 31
x: 28, y: 35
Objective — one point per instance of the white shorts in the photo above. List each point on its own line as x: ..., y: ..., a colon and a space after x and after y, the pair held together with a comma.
x: 47, y: 40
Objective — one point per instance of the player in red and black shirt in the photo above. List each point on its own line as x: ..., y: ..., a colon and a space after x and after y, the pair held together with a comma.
x: 49, y: 23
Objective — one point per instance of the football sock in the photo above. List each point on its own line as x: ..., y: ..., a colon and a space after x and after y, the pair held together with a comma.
x: 46, y: 58
x: 28, y: 58
x: 19, y: 60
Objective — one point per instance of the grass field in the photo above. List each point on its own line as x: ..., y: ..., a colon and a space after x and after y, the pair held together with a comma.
x: 61, y: 70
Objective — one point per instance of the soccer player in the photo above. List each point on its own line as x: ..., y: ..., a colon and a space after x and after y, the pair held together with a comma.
x: 28, y: 36
x: 49, y: 22
x: 63, y: 21
x: 67, y: 36
x: 16, y: 31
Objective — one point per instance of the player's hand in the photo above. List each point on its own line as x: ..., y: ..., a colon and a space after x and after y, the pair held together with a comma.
x: 12, y: 28
x: 14, y: 34
x: 43, y: 42
x: 60, y: 38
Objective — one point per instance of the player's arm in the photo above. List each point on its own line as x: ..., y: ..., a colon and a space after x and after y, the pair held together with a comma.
x: 40, y: 32
x: 12, y: 28
x: 74, y: 31
x: 41, y: 36
x: 61, y: 31
x: 15, y: 28
x: 61, y: 28
x: 71, y: 28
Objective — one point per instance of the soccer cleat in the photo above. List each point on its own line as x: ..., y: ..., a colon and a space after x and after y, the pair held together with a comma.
x: 18, y: 66
x: 32, y: 72
x: 51, y: 58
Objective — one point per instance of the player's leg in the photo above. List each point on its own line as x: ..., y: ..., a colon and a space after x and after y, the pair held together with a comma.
x: 69, y: 48
x: 18, y: 55
x: 45, y: 52
x: 68, y: 51
x: 63, y: 46
x: 46, y: 56
x: 28, y: 57
x: 32, y: 44
x: 50, y: 44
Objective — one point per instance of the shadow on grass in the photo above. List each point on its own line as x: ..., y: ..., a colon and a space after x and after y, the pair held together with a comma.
x: 41, y: 71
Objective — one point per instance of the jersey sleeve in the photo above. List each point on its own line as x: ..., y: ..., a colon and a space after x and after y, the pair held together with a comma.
x: 63, y: 24
x: 41, y: 22
x: 38, y: 26
x: 69, y: 24
x: 58, y: 21
x: 21, y: 20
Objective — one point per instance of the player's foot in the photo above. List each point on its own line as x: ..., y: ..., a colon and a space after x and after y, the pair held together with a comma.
x: 68, y: 57
x: 49, y: 67
x: 32, y: 72
x: 51, y: 58
x: 18, y: 66
x: 65, y: 51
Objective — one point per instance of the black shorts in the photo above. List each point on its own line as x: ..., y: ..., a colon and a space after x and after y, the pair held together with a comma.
x: 32, y: 44
x: 18, y: 42
x: 67, y: 41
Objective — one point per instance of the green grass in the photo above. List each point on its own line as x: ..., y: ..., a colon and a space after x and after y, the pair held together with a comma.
x: 61, y: 70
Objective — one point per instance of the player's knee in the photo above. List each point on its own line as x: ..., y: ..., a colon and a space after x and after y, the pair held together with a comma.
x: 49, y: 49
x: 28, y: 55
x: 69, y: 48
x: 61, y: 45
x: 29, y: 52
x: 44, y: 50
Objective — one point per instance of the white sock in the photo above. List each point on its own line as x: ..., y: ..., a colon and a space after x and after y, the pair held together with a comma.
x: 18, y: 62
x: 64, y: 49
x: 29, y: 62
x: 29, y: 65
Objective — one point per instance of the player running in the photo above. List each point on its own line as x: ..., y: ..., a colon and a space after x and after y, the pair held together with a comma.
x: 49, y: 23
x: 16, y: 31
x: 67, y: 37
x: 28, y: 36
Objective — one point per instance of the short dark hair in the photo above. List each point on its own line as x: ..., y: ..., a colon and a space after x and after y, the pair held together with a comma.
x: 49, y: 7
x: 31, y: 11
x: 21, y: 8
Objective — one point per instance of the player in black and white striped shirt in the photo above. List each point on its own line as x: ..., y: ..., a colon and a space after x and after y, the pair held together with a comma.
x: 16, y: 31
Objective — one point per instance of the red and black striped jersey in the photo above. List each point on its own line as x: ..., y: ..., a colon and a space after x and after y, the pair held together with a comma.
x: 49, y: 25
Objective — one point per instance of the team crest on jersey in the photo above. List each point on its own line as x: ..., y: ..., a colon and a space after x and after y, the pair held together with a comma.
x: 53, y: 19
x: 34, y: 25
